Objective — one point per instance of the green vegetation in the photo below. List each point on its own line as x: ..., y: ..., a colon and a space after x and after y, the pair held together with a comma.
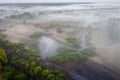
x: 3, y: 59
x: 73, y: 41
x: 89, y: 51
x: 18, y: 62
x: 69, y: 55
x: 23, y: 15
x: 36, y: 34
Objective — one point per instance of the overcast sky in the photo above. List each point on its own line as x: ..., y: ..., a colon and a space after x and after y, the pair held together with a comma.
x: 25, y: 1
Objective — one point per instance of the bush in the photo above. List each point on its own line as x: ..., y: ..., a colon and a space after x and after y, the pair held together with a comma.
x: 8, y: 75
x: 3, y: 57
x: 89, y: 51
x: 73, y: 41
x: 20, y: 76
x: 37, y: 70
x: 69, y: 55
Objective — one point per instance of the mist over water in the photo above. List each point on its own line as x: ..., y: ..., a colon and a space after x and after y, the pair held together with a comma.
x: 48, y: 46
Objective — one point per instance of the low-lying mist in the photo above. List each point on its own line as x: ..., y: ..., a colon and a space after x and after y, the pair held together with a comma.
x: 75, y: 26
x: 106, y: 39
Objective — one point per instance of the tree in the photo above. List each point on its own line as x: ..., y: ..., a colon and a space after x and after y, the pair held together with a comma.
x: 8, y: 75
x: 45, y: 72
x: 20, y: 76
x: 3, y: 57
x: 51, y: 77
x: 37, y: 70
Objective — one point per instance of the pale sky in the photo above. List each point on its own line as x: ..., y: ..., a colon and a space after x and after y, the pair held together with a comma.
x: 28, y: 1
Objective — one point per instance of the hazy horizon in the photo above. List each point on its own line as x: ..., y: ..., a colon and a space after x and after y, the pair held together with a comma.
x: 54, y: 1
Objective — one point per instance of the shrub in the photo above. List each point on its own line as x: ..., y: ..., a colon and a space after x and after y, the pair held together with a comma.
x: 20, y: 76
x: 36, y: 34
x: 73, y: 41
x: 37, y: 70
x: 89, y: 51
x: 3, y: 56
x: 68, y: 55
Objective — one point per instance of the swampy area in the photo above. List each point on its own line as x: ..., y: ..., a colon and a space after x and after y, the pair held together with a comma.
x: 60, y: 41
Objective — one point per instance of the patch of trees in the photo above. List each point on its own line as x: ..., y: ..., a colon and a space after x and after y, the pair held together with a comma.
x: 18, y: 62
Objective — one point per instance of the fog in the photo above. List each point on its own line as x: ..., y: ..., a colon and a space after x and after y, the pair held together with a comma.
x: 94, y: 24
x: 48, y: 46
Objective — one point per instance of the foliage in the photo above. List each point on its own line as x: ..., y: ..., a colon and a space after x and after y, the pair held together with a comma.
x: 20, y: 76
x: 36, y: 34
x: 73, y: 41
x: 68, y: 55
x: 3, y: 57
x: 71, y: 55
x: 89, y: 51
x: 21, y: 63
x: 37, y: 70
